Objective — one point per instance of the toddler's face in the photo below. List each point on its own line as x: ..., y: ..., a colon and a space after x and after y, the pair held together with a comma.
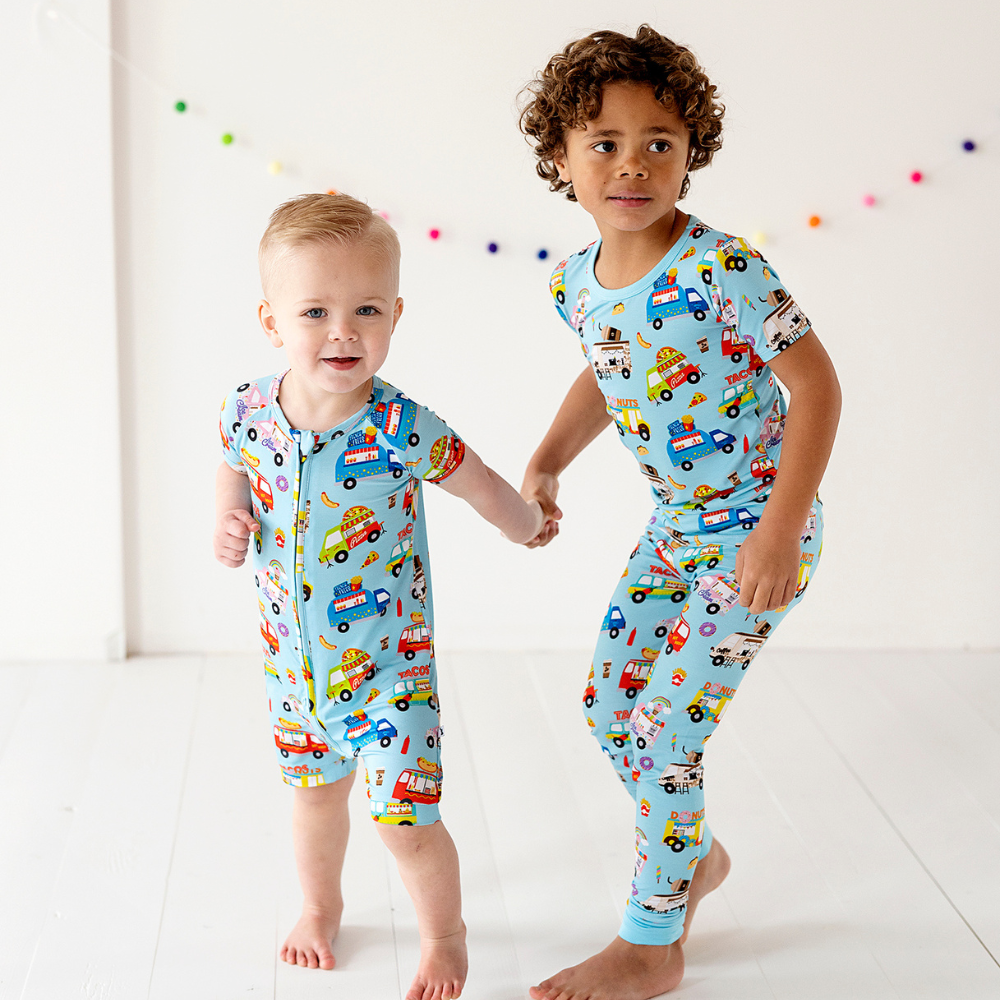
x: 333, y: 308
x: 628, y: 164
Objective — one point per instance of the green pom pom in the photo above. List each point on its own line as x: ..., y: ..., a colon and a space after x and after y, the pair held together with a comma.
x: 227, y: 139
x: 180, y: 106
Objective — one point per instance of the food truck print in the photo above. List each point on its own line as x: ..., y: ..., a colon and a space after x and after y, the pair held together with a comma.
x: 736, y: 349
x: 657, y: 585
x: 395, y: 418
x: 809, y: 531
x: 773, y: 428
x: 289, y: 739
x: 557, y: 283
x: 365, y: 457
x: 663, y: 491
x: 355, y: 667
x: 269, y: 636
x: 628, y: 417
x: 786, y: 323
x: 728, y: 517
x: 693, y: 557
x: 668, y: 301
x: 414, y: 785
x: 645, y: 722
x: 361, y: 731
x: 683, y: 777
x: 611, y: 355
x: 271, y: 581
x: 734, y: 397
x: 260, y: 486
x: 672, y: 369
x: 711, y: 702
x: 418, y: 591
x: 687, y: 444
x: 614, y: 621
x: 740, y: 647
x: 273, y: 438
x: 579, y: 313
x: 805, y: 568
x: 398, y: 813
x: 249, y: 399
x: 708, y: 260
x: 352, y: 603
x: 667, y: 902
x: 764, y: 470
x: 398, y: 555
x: 678, y: 635
x: 445, y: 457
x: 720, y: 593
x: 358, y: 525
x: 405, y: 692
x: 684, y: 830
x: 734, y: 254
x: 415, y: 637
x: 635, y: 677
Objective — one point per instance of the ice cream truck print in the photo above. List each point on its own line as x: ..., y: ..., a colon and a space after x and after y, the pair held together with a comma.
x: 682, y: 777
x: 579, y: 313
x: 351, y: 603
x: 405, y: 692
x: 710, y: 703
x: 628, y: 417
x: 635, y: 677
x: 395, y: 418
x: 398, y: 555
x: 614, y: 621
x: 678, y: 635
x: 720, y: 593
x: 361, y: 731
x: 735, y: 349
x: 672, y: 369
x: 273, y: 438
x: 810, y: 529
x: 289, y: 740
x: 358, y: 525
x: 414, y: 785
x: 619, y: 734
x: 737, y: 396
x: 269, y: 636
x: 740, y: 647
x: 666, y: 902
x: 650, y: 585
x: 356, y: 666
x: 668, y: 300
x: 398, y: 813
x: 786, y: 323
x: 612, y: 355
x: 365, y: 457
x: 249, y: 399
x: 446, y: 456
x: 415, y: 637
x: 688, y: 444
x: 260, y: 486
x: 271, y: 580
x: 645, y: 722
x: 728, y: 517
x: 682, y: 833
x: 709, y: 555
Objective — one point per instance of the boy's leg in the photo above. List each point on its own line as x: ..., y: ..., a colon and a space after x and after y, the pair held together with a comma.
x: 428, y: 865
x: 320, y: 828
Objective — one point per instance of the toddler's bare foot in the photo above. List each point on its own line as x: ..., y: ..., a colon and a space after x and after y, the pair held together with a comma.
x: 444, y: 963
x: 710, y: 874
x: 623, y: 971
x: 310, y: 942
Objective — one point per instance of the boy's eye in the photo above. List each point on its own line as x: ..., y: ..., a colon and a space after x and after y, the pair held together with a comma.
x: 660, y: 146
x: 314, y: 313
x: 607, y: 146
x: 367, y: 311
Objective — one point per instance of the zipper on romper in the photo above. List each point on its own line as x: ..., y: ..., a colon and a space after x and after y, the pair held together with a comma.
x: 300, y: 524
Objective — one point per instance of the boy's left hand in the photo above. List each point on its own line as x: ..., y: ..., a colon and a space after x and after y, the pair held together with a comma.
x: 767, y: 568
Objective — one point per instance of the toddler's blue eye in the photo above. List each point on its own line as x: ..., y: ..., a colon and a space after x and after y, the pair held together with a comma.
x: 314, y: 313
x: 367, y: 311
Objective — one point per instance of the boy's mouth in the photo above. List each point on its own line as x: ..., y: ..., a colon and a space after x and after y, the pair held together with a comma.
x: 630, y: 200
x: 340, y: 364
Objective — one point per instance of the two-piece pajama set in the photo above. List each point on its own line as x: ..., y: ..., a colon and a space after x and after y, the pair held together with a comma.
x: 682, y: 358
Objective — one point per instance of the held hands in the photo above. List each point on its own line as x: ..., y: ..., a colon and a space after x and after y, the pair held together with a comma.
x: 767, y: 567
x: 542, y: 488
x: 232, y: 536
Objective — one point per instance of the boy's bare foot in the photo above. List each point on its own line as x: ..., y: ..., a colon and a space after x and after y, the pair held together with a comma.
x: 623, y: 971
x: 444, y: 964
x: 710, y: 874
x: 310, y: 942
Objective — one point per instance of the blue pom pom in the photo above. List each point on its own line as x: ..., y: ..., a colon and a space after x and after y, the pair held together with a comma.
x: 968, y: 145
x: 492, y: 247
x: 542, y: 254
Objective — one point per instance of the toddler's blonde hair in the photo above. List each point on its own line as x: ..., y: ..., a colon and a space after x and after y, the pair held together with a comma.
x: 326, y: 218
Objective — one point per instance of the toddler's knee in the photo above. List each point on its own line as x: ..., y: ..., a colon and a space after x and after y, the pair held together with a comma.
x: 407, y: 840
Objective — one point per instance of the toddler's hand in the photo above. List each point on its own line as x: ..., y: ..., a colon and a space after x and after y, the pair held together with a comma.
x: 767, y: 567
x: 232, y: 536
x: 543, y: 488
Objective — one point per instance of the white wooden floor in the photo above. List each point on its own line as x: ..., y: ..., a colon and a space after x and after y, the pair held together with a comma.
x: 145, y: 848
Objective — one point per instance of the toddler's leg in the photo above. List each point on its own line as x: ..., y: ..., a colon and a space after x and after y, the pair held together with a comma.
x: 428, y: 865
x: 320, y: 827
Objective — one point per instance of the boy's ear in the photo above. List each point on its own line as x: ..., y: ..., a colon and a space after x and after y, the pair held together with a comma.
x: 268, y: 322
x: 397, y: 311
x: 561, y: 164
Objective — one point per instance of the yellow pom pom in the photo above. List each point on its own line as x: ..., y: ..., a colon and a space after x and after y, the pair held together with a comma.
x: 759, y: 238
x: 274, y: 168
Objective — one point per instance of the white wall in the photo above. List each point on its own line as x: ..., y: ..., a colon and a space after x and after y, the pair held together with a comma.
x: 60, y: 506
x: 412, y: 108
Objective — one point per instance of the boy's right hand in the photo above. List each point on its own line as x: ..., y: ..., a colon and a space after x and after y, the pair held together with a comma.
x: 232, y: 536
x: 543, y: 487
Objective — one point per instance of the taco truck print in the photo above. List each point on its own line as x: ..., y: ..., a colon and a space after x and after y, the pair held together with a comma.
x: 352, y: 603
x: 355, y: 667
x: 612, y: 355
x: 687, y: 444
x: 396, y: 419
x: 398, y: 555
x: 736, y: 396
x: 668, y: 301
x: 358, y: 525
x: 786, y: 323
x: 405, y: 692
x: 657, y: 585
x: 365, y: 457
x: 740, y: 647
x: 672, y: 369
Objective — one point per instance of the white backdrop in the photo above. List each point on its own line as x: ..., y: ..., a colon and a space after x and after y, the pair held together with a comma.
x: 413, y: 109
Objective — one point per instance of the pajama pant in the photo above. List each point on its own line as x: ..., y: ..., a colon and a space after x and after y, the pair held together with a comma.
x: 672, y: 651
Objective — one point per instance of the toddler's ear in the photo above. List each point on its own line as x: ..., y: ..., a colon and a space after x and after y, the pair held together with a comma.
x: 268, y: 322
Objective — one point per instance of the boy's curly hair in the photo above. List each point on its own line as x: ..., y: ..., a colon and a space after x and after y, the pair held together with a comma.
x: 567, y: 94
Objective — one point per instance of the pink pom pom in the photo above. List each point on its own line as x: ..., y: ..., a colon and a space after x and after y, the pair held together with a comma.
x: 869, y: 200
x: 384, y: 215
x: 434, y: 234
x: 916, y: 177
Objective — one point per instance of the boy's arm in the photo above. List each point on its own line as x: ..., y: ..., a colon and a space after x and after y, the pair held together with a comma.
x: 492, y: 497
x: 582, y: 416
x: 234, y: 520
x: 768, y: 561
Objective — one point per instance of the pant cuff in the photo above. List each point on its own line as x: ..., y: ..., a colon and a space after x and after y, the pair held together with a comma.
x: 639, y: 926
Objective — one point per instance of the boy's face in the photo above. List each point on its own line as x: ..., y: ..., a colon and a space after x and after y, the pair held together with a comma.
x: 628, y: 164
x: 333, y: 308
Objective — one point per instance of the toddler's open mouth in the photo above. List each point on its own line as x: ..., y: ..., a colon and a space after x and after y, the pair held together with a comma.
x: 340, y: 364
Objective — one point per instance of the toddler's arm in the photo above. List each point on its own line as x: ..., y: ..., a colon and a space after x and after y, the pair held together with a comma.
x: 234, y: 520
x: 492, y: 497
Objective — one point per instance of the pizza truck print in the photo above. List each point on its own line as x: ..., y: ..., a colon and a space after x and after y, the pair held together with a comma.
x: 711, y: 702
x: 269, y: 636
x: 740, y: 647
x: 672, y: 369
x: 687, y: 444
x: 358, y: 525
x: 786, y: 323
x: 352, y: 603
x: 271, y: 582
x: 396, y: 419
x: 355, y: 667
x: 365, y: 457
x: 612, y: 355
x: 668, y: 301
